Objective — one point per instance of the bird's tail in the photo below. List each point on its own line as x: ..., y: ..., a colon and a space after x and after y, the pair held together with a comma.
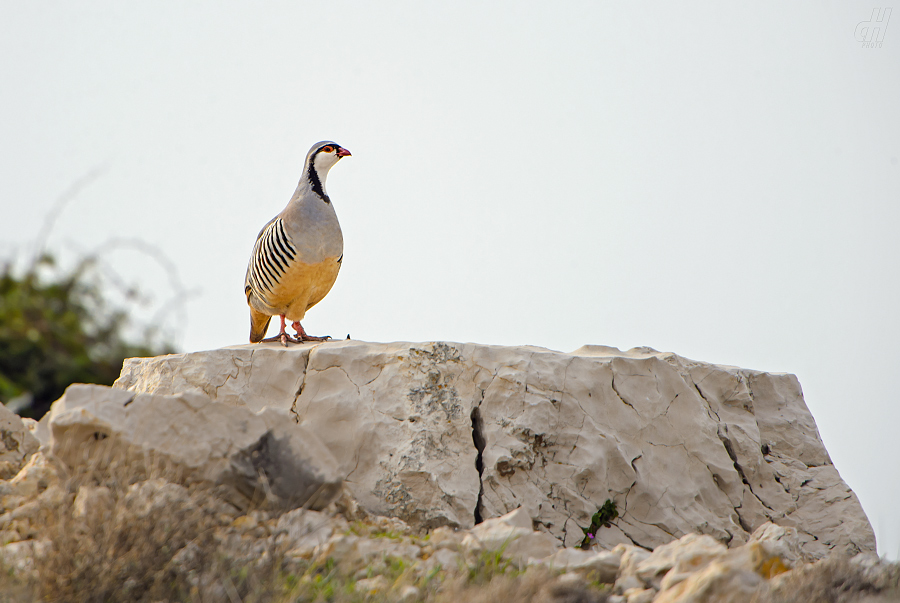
x: 259, y: 324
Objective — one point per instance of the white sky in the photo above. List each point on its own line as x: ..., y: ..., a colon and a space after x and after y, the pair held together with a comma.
x: 719, y: 181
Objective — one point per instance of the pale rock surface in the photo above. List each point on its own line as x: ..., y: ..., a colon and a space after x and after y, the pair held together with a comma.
x: 371, y: 586
x: 630, y: 558
x: 702, y: 573
x: 441, y: 433
x: 446, y: 538
x: 93, y: 503
x: 733, y: 578
x: 676, y: 560
x: 261, y: 457
x: 37, y: 475
x: 17, y: 443
x: 639, y: 595
x: 499, y: 531
x: 527, y: 549
x: 602, y: 566
x: 445, y: 559
x: 409, y: 593
x: 38, y: 429
x: 784, y: 543
x: 303, y: 530
x: 20, y: 555
x: 358, y: 550
x: 273, y: 373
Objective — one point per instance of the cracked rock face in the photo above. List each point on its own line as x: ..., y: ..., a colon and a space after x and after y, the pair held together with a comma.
x: 450, y: 434
x: 255, y: 458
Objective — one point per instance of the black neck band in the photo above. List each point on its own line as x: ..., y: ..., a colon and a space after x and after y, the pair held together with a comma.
x: 314, y: 181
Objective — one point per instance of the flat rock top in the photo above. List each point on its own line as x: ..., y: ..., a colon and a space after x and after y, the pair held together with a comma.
x: 585, y: 351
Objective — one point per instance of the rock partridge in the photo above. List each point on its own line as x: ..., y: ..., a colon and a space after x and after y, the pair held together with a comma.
x: 297, y: 255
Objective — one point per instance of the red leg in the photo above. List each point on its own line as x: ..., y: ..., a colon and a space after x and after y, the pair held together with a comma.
x: 283, y: 337
x: 302, y: 336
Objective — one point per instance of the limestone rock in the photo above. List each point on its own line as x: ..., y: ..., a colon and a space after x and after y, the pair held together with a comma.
x: 302, y: 530
x: 639, y: 595
x: 37, y: 475
x: 262, y: 457
x: 93, y: 503
x: 372, y: 586
x: 446, y: 538
x: 514, y: 535
x: 444, y: 433
x: 20, y: 555
x: 736, y: 576
x: 499, y: 532
x: 696, y: 569
x: 529, y: 548
x: 603, y: 566
x: 673, y: 562
x: 17, y: 443
x: 783, y: 543
x: 272, y: 373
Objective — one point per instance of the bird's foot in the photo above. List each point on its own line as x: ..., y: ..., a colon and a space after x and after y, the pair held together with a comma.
x: 314, y: 338
x: 302, y: 336
x: 283, y: 338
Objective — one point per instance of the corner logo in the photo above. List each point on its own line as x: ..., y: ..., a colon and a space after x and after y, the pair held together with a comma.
x: 871, y: 33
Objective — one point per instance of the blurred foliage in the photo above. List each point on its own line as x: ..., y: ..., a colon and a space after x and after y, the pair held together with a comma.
x: 59, y: 329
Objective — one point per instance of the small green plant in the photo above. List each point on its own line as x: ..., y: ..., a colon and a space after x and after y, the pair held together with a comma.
x: 601, y: 519
x: 489, y: 564
x: 389, y: 534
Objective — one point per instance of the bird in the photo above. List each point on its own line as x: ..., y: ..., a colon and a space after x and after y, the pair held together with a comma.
x: 297, y: 254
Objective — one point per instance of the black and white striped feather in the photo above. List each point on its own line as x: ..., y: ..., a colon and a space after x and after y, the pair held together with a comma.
x: 272, y: 255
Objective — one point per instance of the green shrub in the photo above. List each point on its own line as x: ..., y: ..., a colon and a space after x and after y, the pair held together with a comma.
x: 57, y: 329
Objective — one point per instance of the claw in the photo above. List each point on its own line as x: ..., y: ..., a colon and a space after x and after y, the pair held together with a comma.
x: 302, y: 336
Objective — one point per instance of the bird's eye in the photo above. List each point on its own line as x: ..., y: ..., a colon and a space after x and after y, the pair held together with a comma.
x: 328, y: 149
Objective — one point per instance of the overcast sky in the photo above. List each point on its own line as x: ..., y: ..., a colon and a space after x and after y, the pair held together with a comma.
x: 719, y: 181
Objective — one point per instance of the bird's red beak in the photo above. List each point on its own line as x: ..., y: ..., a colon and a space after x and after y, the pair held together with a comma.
x: 342, y: 152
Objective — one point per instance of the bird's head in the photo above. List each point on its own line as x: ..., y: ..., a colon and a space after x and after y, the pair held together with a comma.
x: 323, y: 155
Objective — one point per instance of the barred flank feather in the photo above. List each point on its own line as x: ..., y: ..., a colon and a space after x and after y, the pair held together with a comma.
x: 271, y: 257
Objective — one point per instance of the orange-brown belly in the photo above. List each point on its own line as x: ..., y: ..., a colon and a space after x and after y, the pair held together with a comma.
x: 300, y: 288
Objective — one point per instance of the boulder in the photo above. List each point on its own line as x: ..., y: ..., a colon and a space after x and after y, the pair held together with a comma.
x: 603, y: 566
x: 17, y: 443
x: 499, y: 532
x: 670, y: 563
x: 262, y: 457
x: 452, y: 434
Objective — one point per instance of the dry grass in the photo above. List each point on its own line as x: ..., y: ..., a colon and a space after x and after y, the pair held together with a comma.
x: 837, y: 580
x: 537, y: 585
x: 113, y: 533
x: 116, y: 533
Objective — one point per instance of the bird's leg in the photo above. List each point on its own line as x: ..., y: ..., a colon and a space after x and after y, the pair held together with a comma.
x: 302, y: 336
x: 283, y: 337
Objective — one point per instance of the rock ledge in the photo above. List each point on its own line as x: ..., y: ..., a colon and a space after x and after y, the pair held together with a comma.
x: 452, y: 434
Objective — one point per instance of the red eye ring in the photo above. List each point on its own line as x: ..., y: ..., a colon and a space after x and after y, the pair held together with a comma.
x: 328, y: 149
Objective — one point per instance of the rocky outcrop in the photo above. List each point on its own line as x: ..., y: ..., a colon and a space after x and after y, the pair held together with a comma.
x: 452, y: 434
x: 255, y: 458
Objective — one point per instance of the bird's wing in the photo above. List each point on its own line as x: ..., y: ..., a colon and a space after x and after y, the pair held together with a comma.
x: 272, y: 254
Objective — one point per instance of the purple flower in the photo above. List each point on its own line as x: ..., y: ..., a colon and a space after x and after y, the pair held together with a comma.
x: 591, y: 536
